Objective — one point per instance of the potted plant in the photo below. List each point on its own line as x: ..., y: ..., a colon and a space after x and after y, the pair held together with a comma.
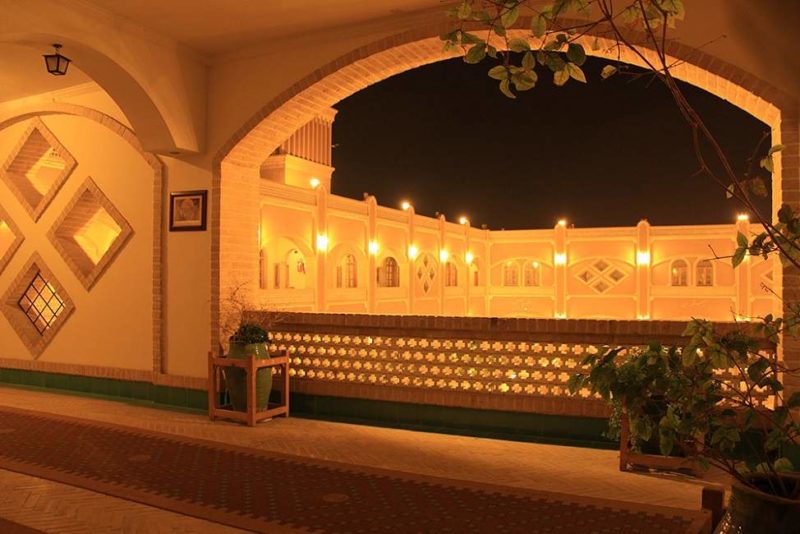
x: 248, y: 339
x: 719, y: 399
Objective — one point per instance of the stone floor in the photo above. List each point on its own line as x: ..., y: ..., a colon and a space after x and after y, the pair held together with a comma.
x: 53, y: 507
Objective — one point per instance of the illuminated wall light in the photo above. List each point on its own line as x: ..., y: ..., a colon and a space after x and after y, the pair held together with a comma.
x: 373, y: 247
x: 562, y: 222
x: 463, y: 220
x: 314, y: 182
x: 643, y: 257
x: 405, y: 205
x: 469, y: 258
x: 560, y: 258
x: 535, y: 265
x: 322, y: 242
x: 413, y: 252
x: 443, y: 255
x: 743, y: 217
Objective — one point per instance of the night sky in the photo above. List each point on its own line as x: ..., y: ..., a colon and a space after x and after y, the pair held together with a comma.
x: 608, y: 153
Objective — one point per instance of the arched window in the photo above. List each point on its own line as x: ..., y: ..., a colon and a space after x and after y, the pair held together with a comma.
x: 347, y: 272
x: 450, y: 274
x: 389, y: 273
x: 679, y: 273
x: 531, y: 274
x: 510, y: 274
x: 705, y: 273
x: 475, y: 274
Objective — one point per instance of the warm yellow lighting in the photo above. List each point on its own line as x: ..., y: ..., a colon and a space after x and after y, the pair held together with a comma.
x: 314, y: 183
x: 373, y: 247
x: 643, y: 317
x: 443, y: 255
x: 742, y: 217
x: 463, y: 220
x: 643, y: 257
x: 405, y: 205
x: 560, y: 315
x: 468, y: 257
x: 413, y: 252
x: 562, y: 222
x: 560, y: 258
x: 322, y: 242
x: 536, y: 265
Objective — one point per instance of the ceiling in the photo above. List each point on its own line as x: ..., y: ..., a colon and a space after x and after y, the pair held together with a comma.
x: 220, y: 26
x: 22, y: 72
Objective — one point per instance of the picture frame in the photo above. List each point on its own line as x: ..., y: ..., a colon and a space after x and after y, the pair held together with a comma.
x: 188, y: 211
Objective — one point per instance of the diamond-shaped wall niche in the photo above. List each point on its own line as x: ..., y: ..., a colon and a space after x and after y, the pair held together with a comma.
x: 37, y: 168
x: 36, y: 305
x: 10, y: 238
x: 90, y: 233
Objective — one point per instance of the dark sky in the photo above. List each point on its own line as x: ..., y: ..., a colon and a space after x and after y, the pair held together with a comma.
x: 603, y: 154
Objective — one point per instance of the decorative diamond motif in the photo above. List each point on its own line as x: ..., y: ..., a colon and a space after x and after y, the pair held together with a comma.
x: 426, y: 272
x: 90, y: 233
x: 616, y: 275
x: 36, y: 305
x: 37, y: 168
x: 10, y: 239
x: 601, y: 286
x: 602, y: 276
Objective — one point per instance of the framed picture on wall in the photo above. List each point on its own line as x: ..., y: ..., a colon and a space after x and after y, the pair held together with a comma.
x: 187, y: 211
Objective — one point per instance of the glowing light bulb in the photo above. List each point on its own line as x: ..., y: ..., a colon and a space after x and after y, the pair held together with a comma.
x: 314, y: 182
x: 405, y: 205
x: 560, y: 258
x: 743, y: 217
x: 413, y: 251
x: 322, y: 242
x: 463, y: 220
x: 642, y: 257
x: 468, y: 257
x: 443, y: 255
x: 373, y: 247
x: 562, y: 222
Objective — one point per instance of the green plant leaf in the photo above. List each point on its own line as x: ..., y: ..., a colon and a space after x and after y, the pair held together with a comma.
x: 738, y: 256
x: 528, y: 61
x: 576, y: 73
x: 518, y: 44
x: 741, y: 239
x: 476, y: 53
x: 470, y: 38
x: 506, y: 90
x: 539, y: 26
x: 775, y: 148
x: 561, y: 77
x: 498, y: 72
x: 510, y: 16
x: 783, y: 464
x: 576, y: 54
x: 465, y: 9
x: 608, y: 71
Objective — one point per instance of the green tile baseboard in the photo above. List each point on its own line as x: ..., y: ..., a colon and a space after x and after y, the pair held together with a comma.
x: 515, y: 426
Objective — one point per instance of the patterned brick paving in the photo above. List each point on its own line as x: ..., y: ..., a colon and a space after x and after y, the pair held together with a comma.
x: 261, y: 491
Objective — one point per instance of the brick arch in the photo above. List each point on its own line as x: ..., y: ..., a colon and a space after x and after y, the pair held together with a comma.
x: 159, y: 275
x: 236, y: 163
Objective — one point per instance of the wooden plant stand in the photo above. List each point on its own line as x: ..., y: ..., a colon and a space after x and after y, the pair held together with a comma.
x: 251, y: 365
x: 628, y: 457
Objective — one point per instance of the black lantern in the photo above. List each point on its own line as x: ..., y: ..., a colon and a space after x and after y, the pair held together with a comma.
x: 56, y: 63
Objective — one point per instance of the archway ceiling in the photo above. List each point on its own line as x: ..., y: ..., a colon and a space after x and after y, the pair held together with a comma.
x: 23, y: 73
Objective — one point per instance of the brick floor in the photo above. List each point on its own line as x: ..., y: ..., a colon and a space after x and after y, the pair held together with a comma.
x: 581, y: 472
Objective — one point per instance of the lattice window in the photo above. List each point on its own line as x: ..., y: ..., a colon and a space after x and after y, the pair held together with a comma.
x: 451, y: 275
x: 347, y: 272
x: 510, y: 274
x: 679, y: 273
x: 389, y: 273
x: 531, y: 276
x: 41, y: 303
x: 705, y: 273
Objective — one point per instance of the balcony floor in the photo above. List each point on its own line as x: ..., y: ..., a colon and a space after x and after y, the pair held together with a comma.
x: 54, y: 507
